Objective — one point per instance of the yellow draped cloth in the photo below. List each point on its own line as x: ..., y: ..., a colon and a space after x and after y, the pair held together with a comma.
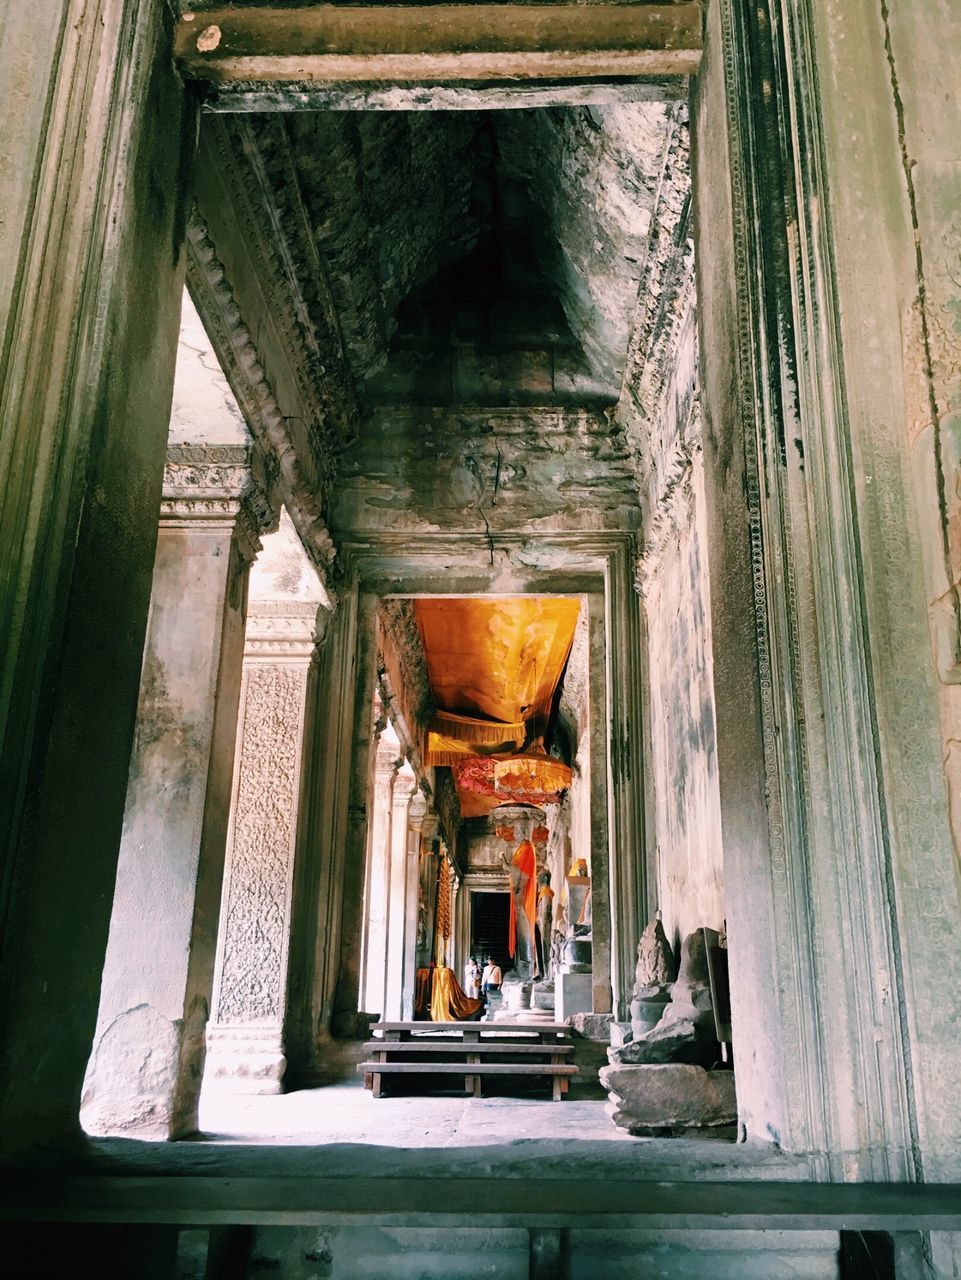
x: 448, y: 1003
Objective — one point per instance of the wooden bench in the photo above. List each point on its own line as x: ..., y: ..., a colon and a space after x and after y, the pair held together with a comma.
x: 470, y: 1049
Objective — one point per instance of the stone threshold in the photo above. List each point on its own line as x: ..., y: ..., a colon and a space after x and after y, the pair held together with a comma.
x: 557, y: 1201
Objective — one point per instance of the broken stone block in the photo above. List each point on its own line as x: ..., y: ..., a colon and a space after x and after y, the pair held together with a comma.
x: 655, y: 959
x: 680, y: 1036
x: 692, y: 970
x: 592, y: 1026
x: 621, y: 1033
x: 654, y: 1100
x: 647, y: 1013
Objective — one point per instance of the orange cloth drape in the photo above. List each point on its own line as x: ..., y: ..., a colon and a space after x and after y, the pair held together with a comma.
x: 526, y: 860
x: 422, y: 995
x: 448, y: 1003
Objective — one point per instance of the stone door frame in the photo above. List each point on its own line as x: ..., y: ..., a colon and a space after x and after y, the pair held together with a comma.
x: 598, y: 567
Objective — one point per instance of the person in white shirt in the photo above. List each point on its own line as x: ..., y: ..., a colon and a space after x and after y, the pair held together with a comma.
x: 472, y: 978
x: 492, y: 977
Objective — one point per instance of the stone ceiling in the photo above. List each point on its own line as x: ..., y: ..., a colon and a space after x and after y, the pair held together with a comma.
x: 451, y: 320
x: 473, y: 255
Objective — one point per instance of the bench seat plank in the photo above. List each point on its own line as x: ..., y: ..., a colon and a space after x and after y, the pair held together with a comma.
x: 469, y: 1068
x: 482, y: 1047
x: 497, y: 1028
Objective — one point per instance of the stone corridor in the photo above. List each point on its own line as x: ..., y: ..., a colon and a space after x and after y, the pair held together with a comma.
x: 479, y: 550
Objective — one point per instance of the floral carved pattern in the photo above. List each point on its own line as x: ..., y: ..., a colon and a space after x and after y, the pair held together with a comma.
x: 261, y: 850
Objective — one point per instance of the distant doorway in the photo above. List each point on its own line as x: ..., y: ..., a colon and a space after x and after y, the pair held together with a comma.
x: 490, y: 914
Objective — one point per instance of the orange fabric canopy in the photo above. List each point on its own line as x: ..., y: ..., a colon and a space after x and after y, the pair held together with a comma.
x: 496, y: 658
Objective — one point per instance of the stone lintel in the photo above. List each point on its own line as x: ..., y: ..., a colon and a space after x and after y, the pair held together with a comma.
x: 447, y: 42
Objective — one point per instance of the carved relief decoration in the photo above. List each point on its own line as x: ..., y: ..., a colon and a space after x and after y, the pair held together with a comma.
x: 214, y: 483
x: 263, y: 831
x: 664, y: 304
x: 286, y: 466
x: 283, y: 628
x: 573, y: 708
x: 399, y: 630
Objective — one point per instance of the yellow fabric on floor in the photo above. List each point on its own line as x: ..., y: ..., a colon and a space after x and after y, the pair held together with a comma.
x: 448, y: 1003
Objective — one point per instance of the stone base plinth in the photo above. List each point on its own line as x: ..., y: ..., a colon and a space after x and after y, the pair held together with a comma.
x: 517, y: 995
x: 542, y: 997
x: 654, y: 1101
x: 573, y: 994
x: 244, y: 1060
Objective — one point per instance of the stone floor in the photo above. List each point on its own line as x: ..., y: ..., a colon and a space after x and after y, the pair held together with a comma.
x: 349, y: 1113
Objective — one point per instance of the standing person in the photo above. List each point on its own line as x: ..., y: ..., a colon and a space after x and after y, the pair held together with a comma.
x: 470, y: 969
x: 492, y: 977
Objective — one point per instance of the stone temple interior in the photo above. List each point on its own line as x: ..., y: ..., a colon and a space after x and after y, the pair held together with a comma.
x: 479, y: 638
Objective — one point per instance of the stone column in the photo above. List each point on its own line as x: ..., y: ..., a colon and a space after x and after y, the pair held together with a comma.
x: 461, y: 938
x: 399, y: 903
x: 246, y: 1036
x: 144, y: 1073
x: 451, y: 949
x: 420, y: 827
x: 377, y: 877
x: 93, y: 197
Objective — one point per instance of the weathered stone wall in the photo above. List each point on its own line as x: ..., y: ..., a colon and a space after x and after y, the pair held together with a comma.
x: 426, y: 470
x: 512, y: 1253
x: 674, y: 582
x: 574, y: 840
x: 892, y: 141
x: 389, y: 194
x: 660, y: 414
x: 204, y: 409
x: 593, y: 176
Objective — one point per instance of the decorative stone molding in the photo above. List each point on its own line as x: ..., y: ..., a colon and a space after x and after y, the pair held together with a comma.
x: 212, y: 484
x: 284, y: 629
x: 241, y: 363
x: 665, y: 305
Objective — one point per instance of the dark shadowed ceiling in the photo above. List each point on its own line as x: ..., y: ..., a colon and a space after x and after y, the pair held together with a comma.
x: 483, y: 257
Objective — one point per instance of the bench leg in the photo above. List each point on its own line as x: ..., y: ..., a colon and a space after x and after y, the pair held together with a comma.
x: 473, y: 1083
x: 557, y: 1083
x: 375, y: 1084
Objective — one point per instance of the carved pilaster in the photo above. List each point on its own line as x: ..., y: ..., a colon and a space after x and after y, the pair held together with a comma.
x: 402, y: 903
x: 246, y: 1052
x: 211, y: 484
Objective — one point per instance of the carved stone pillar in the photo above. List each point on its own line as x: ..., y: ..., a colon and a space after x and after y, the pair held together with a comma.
x: 418, y: 830
x: 144, y: 1073
x: 377, y: 878
x: 246, y: 1037
x: 461, y: 943
x: 400, y: 906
